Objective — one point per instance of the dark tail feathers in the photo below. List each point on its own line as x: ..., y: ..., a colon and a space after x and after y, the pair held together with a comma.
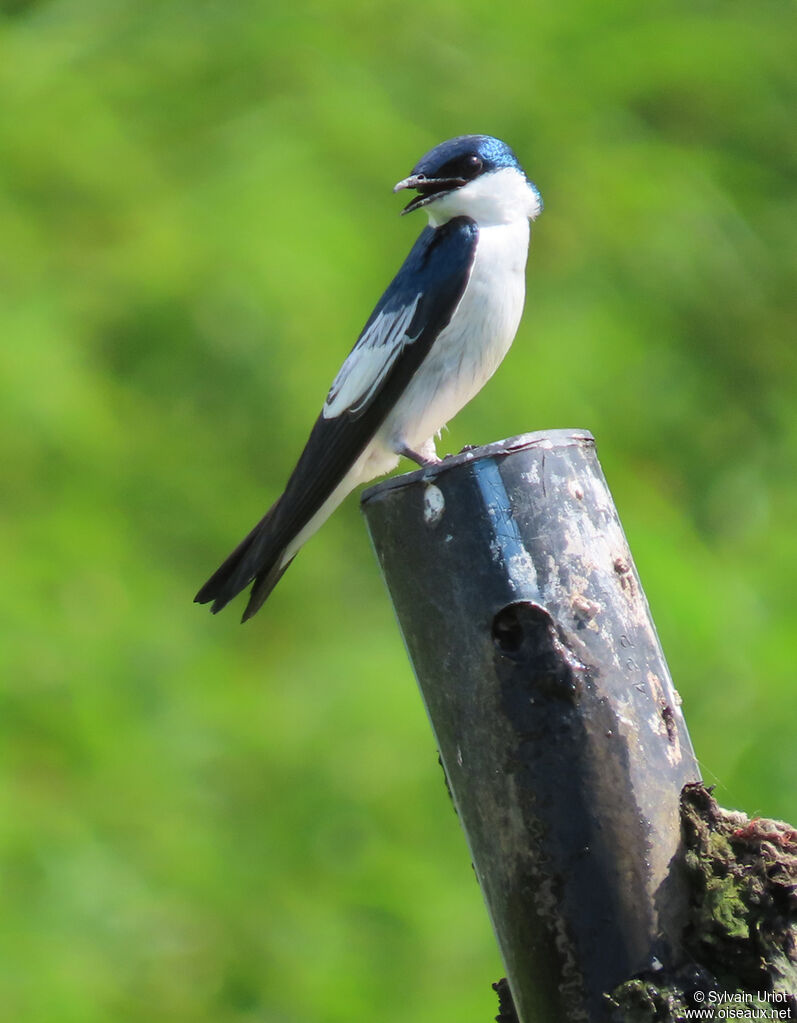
x: 256, y: 558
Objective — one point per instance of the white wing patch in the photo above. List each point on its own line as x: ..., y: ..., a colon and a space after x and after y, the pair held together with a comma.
x: 370, y: 361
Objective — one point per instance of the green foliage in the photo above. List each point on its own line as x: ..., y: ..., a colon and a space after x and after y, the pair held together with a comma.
x: 206, y: 822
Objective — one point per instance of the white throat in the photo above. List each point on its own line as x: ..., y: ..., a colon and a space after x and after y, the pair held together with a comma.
x: 500, y: 197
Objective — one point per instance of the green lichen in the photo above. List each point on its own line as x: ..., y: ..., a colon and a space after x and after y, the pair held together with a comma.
x: 641, y: 1001
x: 741, y: 935
x: 743, y: 876
x: 741, y: 939
x: 722, y: 910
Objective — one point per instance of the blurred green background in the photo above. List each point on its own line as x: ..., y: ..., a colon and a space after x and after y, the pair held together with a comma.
x: 202, y: 821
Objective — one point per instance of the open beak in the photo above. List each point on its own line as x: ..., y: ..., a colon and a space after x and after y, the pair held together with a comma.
x: 430, y: 189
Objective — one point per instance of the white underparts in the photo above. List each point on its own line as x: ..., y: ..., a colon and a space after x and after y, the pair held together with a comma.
x: 469, y: 350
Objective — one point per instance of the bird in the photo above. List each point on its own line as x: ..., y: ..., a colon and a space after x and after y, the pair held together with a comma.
x: 435, y: 337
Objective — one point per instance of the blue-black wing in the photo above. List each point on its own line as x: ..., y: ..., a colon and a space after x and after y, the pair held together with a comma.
x: 415, y: 308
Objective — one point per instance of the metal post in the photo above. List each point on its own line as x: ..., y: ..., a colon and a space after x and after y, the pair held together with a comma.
x: 559, y: 729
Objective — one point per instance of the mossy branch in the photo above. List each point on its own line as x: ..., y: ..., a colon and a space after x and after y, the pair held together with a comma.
x: 740, y: 942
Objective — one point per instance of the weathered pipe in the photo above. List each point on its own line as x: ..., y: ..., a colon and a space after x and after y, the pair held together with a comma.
x: 555, y: 715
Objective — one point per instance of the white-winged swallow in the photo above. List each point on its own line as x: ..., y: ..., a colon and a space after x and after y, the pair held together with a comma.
x: 435, y: 338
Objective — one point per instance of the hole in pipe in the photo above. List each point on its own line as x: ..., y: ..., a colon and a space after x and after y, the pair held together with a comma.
x: 525, y: 633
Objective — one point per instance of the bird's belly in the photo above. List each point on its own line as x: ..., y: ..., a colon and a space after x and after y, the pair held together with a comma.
x: 470, y: 349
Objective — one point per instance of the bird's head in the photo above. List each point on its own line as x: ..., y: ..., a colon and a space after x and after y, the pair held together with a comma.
x: 477, y: 176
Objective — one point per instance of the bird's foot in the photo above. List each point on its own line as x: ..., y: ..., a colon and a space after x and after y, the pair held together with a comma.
x: 425, y: 457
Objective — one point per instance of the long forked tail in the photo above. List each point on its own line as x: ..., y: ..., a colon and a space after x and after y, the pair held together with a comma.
x: 258, y: 558
x: 263, y: 556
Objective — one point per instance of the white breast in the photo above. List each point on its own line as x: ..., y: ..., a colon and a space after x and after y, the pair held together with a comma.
x: 470, y: 348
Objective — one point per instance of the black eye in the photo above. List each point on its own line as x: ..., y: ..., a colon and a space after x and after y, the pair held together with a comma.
x: 474, y: 162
